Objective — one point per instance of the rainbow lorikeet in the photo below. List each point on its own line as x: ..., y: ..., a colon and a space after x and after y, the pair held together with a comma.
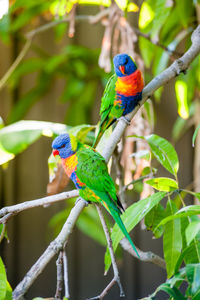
x: 88, y: 170
x: 122, y: 93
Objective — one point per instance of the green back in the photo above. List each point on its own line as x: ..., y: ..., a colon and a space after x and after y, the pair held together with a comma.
x: 93, y: 171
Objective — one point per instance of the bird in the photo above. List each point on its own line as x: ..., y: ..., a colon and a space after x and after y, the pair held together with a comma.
x: 88, y: 170
x: 122, y: 93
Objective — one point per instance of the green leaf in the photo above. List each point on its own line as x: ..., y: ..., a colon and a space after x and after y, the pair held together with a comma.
x: 81, y: 131
x: 193, y: 275
x: 146, y: 15
x: 153, y: 218
x: 192, y: 253
x: 131, y: 217
x: 16, y: 137
x: 172, y: 240
x: 181, y: 90
x: 164, y: 153
x: 195, y: 135
x: 163, y: 184
x: 162, y: 11
x: 185, y: 10
x: 192, y: 230
x: 171, y: 291
x: 3, y: 280
x: 147, y: 50
x: 189, y: 210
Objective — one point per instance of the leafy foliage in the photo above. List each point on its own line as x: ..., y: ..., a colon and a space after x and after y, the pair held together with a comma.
x: 163, y: 25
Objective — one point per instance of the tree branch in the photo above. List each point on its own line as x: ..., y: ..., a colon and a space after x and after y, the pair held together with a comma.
x: 66, y: 281
x: 144, y: 256
x: 59, y: 286
x: 8, y: 211
x: 49, y: 253
x: 176, y: 68
x: 114, y: 264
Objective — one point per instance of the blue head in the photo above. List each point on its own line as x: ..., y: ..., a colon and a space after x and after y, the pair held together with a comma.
x: 64, y: 145
x: 124, y: 65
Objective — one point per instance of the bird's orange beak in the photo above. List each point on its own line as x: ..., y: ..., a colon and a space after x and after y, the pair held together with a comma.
x: 122, y: 69
x: 55, y: 152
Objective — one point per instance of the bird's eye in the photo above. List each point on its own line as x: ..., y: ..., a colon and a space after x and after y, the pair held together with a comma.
x: 126, y: 61
x: 63, y: 146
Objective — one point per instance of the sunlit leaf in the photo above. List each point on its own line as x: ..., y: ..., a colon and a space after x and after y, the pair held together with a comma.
x: 184, y: 212
x: 192, y: 230
x: 3, y: 280
x: 163, y: 184
x: 172, y: 240
x: 181, y: 96
x: 4, y: 5
x: 146, y: 15
x: 162, y: 11
x: 16, y: 137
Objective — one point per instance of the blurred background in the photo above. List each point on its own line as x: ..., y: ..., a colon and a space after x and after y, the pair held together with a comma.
x: 60, y: 78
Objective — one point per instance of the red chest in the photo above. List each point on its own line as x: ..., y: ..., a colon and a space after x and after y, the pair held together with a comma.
x: 130, y: 85
x: 70, y: 164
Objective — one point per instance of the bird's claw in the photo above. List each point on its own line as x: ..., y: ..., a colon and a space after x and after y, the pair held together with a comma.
x: 126, y: 120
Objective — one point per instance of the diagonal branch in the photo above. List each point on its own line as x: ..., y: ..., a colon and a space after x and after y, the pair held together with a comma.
x: 50, y: 252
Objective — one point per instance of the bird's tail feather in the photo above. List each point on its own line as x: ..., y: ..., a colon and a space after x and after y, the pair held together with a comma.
x: 121, y: 225
x: 102, y: 128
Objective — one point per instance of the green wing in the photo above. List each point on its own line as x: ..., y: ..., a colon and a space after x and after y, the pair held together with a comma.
x: 108, y: 98
x: 107, y: 102
x: 93, y: 171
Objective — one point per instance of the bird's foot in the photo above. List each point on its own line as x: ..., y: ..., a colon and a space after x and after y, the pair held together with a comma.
x: 125, y: 119
x: 79, y: 198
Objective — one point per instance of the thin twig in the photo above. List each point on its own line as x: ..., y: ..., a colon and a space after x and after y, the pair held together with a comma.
x: 116, y: 278
x: 59, y: 286
x: 144, y: 256
x: 8, y: 211
x: 66, y: 280
x: 120, y: 177
x: 91, y: 19
x: 3, y: 232
x: 15, y: 63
